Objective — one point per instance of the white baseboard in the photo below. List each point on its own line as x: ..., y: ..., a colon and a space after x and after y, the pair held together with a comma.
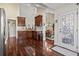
x: 64, y: 51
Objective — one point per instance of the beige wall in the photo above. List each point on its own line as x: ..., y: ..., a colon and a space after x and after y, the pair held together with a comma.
x: 11, y: 9
x: 28, y: 11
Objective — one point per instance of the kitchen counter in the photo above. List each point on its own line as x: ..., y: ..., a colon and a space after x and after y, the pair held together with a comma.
x: 27, y: 30
x: 23, y: 28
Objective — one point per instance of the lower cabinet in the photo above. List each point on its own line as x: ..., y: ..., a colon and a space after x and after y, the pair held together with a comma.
x: 31, y: 39
x: 21, y: 38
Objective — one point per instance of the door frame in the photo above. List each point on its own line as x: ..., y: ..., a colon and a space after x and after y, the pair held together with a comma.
x: 75, y: 10
x: 8, y: 24
x: 7, y: 45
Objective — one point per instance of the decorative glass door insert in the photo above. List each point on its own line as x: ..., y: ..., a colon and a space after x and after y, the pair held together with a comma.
x: 67, y: 29
x: 67, y: 33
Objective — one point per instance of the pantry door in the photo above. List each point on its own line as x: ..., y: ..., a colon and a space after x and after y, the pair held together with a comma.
x: 67, y: 30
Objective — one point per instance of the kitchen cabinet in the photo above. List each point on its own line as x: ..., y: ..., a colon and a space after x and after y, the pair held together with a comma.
x: 29, y: 34
x: 21, y: 21
x: 31, y: 39
x: 37, y: 35
x: 38, y: 20
x: 38, y: 43
x: 22, y: 37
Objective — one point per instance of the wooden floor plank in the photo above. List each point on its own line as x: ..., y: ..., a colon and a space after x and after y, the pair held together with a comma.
x: 36, y: 46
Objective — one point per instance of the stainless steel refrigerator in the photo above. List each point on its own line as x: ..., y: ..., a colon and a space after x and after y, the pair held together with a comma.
x: 2, y: 31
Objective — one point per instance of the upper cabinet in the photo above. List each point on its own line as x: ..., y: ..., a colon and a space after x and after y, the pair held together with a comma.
x: 38, y: 20
x: 21, y: 21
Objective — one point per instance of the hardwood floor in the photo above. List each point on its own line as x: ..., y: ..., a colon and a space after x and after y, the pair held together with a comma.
x: 35, y: 48
x: 11, y: 46
x: 49, y: 51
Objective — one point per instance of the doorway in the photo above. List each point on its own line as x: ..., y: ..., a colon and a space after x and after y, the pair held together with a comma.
x: 50, y: 29
x: 11, y: 42
x: 67, y: 31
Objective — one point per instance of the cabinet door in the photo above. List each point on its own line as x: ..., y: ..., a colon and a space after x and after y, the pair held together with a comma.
x: 35, y: 35
x: 29, y: 34
x: 21, y: 37
x: 21, y: 21
x: 38, y: 20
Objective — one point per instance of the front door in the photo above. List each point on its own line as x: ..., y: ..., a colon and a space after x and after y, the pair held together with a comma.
x: 67, y: 30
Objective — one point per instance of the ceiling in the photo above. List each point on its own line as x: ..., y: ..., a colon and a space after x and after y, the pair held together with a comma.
x: 53, y: 6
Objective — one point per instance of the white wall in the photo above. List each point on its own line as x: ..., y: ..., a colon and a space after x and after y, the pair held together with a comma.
x: 40, y: 11
x: 28, y: 11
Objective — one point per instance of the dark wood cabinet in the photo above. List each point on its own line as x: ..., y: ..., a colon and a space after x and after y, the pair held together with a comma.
x: 22, y: 37
x: 31, y: 39
x: 38, y: 20
x: 38, y: 43
x: 29, y: 34
x: 25, y: 38
x: 37, y: 35
x: 21, y: 21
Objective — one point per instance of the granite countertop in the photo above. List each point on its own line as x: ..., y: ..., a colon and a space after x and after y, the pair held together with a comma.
x: 25, y: 29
